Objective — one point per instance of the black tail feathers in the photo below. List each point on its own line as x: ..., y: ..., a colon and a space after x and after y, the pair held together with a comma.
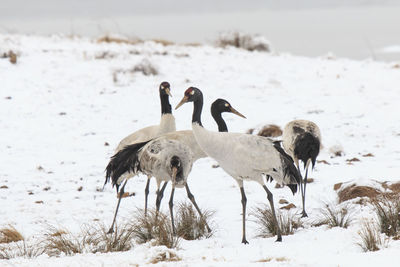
x: 125, y: 160
x: 289, y: 169
x: 307, y: 147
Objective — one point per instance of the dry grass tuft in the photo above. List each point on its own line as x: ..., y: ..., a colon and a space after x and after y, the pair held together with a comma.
x: 165, y: 256
x: 13, y: 245
x: 10, y: 234
x: 335, y: 216
x: 267, y: 226
x: 189, y: 225
x: 354, y: 191
x: 122, y: 40
x: 124, y: 76
x: 91, y: 239
x: 105, y: 55
x: 60, y: 241
x: 395, y: 187
x: 21, y: 249
x: 154, y: 227
x: 120, y: 240
x: 145, y: 67
x: 118, y: 40
x: 163, y: 42
x: 270, y: 131
x: 371, y: 239
x: 250, y: 131
x: 387, y: 209
x: 11, y: 55
x: 244, y: 41
x: 193, y: 44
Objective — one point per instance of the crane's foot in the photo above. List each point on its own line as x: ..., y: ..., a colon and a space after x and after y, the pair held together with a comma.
x: 304, y: 214
x: 110, y: 231
x: 279, y: 239
x: 244, y: 241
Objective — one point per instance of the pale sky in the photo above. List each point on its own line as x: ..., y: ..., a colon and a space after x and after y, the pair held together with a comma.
x: 350, y: 28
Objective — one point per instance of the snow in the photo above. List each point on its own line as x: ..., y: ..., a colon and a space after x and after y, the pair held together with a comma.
x: 65, y: 105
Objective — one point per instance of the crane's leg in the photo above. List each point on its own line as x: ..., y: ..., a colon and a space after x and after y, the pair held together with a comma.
x: 121, y: 193
x: 244, y: 202
x: 303, y: 195
x: 271, y: 203
x: 171, y: 206
x: 304, y: 214
x: 160, y: 195
x: 146, y: 194
x: 191, y: 197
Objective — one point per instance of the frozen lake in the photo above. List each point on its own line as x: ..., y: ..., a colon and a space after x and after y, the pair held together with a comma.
x: 355, y: 29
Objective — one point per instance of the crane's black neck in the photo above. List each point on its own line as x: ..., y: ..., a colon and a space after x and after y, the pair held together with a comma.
x: 165, y: 105
x: 217, y: 115
x: 197, y: 108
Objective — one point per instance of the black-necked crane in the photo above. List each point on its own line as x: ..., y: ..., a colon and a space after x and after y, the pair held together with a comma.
x: 187, y: 138
x: 164, y: 159
x: 302, y: 140
x: 167, y: 124
x: 244, y: 157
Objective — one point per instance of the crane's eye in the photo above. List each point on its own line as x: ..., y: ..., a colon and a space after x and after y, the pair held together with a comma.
x: 226, y: 105
x: 192, y: 92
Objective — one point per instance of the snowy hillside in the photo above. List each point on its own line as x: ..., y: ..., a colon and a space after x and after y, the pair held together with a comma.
x: 66, y: 99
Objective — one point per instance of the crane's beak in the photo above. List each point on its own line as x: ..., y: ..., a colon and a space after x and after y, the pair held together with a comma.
x: 183, y: 101
x: 174, y: 172
x: 234, y: 111
x: 168, y: 91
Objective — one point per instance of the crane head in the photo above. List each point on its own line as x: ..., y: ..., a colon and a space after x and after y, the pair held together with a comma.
x: 165, y: 88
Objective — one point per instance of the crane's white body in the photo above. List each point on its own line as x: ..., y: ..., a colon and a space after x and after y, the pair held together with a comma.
x: 243, y: 156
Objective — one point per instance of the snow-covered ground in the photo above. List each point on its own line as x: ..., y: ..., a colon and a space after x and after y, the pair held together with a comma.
x: 66, y: 97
